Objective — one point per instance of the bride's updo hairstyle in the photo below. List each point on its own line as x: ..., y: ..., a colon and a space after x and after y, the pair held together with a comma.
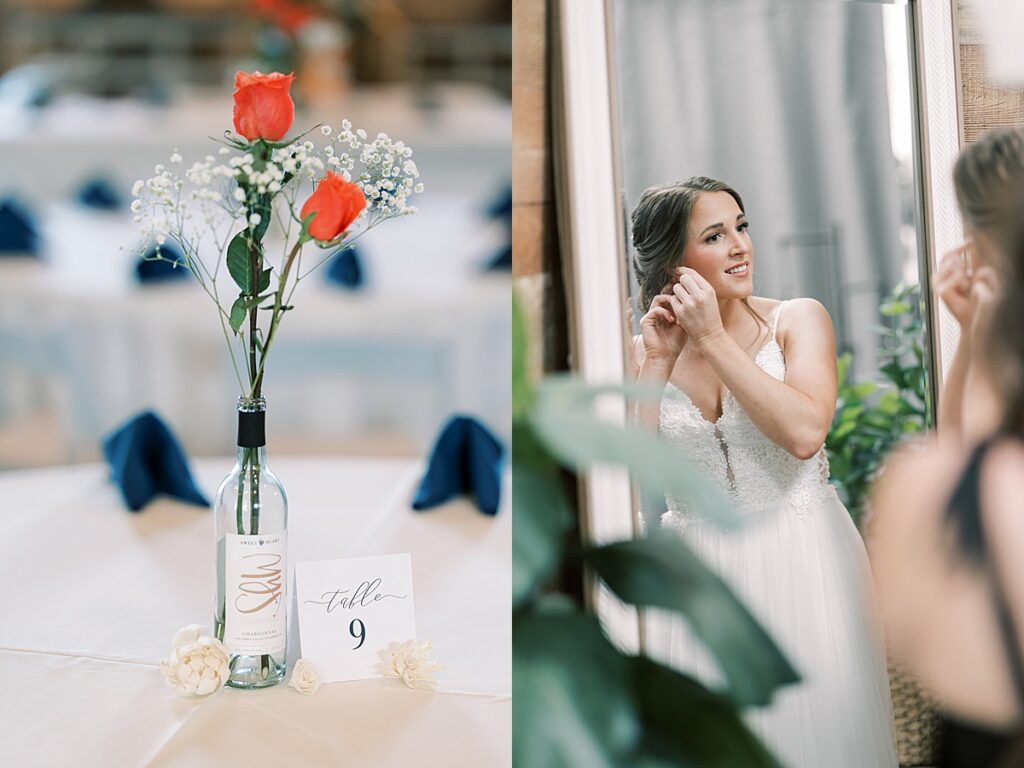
x: 661, y: 221
x: 989, y: 182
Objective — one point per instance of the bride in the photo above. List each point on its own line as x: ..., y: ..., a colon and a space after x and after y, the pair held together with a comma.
x: 749, y: 392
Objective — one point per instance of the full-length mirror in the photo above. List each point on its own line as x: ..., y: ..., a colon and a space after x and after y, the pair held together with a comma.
x: 764, y: 188
x: 805, y: 109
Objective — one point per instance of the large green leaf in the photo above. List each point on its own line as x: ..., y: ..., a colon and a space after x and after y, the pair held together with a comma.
x: 660, y: 571
x: 572, y: 703
x: 541, y: 511
x: 564, y: 418
x: 686, y: 724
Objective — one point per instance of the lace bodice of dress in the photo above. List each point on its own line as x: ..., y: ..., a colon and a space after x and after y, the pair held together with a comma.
x: 757, y: 474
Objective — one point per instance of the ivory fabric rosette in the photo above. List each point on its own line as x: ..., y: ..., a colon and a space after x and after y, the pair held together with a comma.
x: 305, y: 677
x: 411, y: 662
x: 197, y: 664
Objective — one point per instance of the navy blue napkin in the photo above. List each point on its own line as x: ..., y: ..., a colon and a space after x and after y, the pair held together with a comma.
x: 100, y: 194
x: 146, y: 460
x: 466, y: 459
x: 18, y: 230
x: 346, y: 268
x: 501, y: 206
x: 502, y: 260
x: 149, y: 269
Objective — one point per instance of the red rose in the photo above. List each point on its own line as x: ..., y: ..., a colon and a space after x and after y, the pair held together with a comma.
x: 336, y: 203
x: 263, y: 105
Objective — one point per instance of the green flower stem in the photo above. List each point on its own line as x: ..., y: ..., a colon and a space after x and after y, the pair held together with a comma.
x: 254, y: 270
x: 276, y: 314
x: 241, y: 493
x: 252, y: 454
x: 254, y: 492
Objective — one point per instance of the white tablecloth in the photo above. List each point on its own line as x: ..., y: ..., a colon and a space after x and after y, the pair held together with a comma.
x: 92, y: 595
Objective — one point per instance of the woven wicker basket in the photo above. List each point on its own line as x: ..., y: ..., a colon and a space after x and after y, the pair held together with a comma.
x: 918, y: 728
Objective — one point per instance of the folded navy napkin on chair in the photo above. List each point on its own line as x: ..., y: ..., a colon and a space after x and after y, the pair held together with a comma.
x: 146, y: 460
x: 149, y: 269
x: 346, y: 268
x: 466, y: 459
x: 18, y: 230
x: 100, y: 194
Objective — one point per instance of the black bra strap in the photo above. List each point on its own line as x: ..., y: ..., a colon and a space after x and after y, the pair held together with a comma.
x: 964, y: 509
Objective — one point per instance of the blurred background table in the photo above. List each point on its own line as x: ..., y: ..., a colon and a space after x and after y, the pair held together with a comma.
x: 95, y: 594
x: 83, y: 345
x: 104, y: 91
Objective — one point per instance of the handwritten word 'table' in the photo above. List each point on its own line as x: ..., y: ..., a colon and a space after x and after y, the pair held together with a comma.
x: 365, y: 594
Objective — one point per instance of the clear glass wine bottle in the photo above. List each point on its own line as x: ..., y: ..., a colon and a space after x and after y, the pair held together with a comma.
x: 251, y: 520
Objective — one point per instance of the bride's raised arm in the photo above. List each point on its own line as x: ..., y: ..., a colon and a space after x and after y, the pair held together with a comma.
x: 795, y: 413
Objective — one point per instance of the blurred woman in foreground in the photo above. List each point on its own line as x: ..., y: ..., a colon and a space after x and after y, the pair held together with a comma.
x: 947, y: 538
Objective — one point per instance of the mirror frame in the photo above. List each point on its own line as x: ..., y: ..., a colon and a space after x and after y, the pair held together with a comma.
x: 592, y: 239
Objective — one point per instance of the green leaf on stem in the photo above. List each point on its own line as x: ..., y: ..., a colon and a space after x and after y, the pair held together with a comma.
x: 238, y: 261
x: 264, y: 281
x: 238, y: 312
x: 661, y: 571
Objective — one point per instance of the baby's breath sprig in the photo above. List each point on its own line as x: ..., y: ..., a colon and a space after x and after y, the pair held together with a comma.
x: 246, y: 187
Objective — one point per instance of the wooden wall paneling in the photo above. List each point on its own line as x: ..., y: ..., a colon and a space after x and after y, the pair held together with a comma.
x: 536, y: 266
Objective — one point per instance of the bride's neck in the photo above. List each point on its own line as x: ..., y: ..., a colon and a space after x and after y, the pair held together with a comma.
x: 734, y: 315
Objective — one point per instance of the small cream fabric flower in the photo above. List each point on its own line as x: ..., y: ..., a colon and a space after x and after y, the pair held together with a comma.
x: 198, y: 663
x: 410, y: 661
x: 305, y: 677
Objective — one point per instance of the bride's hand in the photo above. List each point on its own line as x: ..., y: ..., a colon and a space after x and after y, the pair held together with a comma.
x: 662, y: 336
x: 695, y: 305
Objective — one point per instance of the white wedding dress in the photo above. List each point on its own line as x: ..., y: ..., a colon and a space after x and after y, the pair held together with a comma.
x: 800, y: 567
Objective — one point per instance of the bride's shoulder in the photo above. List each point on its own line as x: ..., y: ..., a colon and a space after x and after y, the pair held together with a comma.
x: 803, y: 316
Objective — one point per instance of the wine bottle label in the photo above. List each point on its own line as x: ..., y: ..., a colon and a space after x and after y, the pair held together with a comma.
x: 256, y: 601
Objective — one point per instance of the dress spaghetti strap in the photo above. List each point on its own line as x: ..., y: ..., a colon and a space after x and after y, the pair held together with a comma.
x: 775, y: 320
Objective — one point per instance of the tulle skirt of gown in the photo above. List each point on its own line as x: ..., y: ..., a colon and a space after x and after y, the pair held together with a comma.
x: 805, y: 577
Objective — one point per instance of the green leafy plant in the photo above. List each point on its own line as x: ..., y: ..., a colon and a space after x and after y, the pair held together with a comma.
x: 578, y: 699
x: 874, y: 415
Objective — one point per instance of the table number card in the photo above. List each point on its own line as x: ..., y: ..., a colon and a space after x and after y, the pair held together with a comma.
x: 352, y: 609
